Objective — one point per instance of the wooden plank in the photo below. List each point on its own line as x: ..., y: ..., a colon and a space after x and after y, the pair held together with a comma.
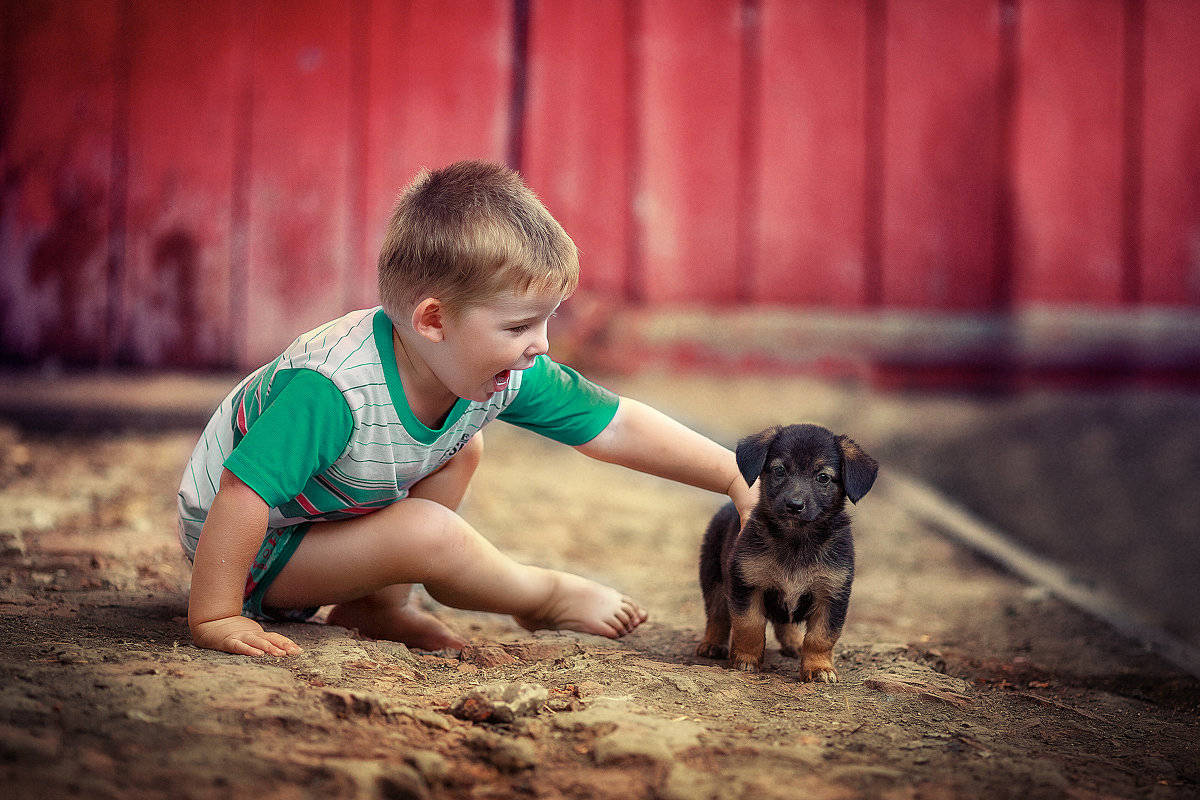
x: 688, y: 110
x: 59, y: 90
x: 1170, y: 212
x: 299, y: 183
x: 576, y: 142
x: 185, y: 63
x: 941, y: 150
x: 1069, y: 146
x: 440, y: 78
x: 811, y: 235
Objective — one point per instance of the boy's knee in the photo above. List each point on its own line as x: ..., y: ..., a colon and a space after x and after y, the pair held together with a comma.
x: 471, y: 453
x: 444, y: 536
x: 434, y: 525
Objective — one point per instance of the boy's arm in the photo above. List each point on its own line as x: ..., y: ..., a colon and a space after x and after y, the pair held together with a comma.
x: 641, y: 438
x: 231, y: 536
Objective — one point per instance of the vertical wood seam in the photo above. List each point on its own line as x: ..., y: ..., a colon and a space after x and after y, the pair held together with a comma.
x: 1133, y: 110
x: 874, y: 117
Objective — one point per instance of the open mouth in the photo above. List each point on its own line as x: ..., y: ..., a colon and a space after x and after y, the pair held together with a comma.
x: 500, y: 380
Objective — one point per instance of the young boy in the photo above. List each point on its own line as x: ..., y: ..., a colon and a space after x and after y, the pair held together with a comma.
x: 332, y: 474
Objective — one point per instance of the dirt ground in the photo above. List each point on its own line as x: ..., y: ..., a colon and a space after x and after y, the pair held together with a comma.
x: 957, y: 679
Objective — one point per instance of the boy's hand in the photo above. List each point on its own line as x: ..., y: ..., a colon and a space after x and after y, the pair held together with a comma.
x: 242, y: 636
x: 744, y: 497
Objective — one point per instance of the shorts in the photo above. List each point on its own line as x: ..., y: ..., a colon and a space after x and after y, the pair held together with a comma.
x: 276, y: 549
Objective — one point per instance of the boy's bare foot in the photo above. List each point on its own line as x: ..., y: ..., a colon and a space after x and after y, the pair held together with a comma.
x: 579, y: 604
x: 406, y: 624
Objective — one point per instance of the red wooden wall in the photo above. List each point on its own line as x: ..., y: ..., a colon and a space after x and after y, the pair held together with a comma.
x: 192, y: 183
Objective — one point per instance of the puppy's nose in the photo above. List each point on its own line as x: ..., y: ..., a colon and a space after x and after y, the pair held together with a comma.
x: 795, y: 506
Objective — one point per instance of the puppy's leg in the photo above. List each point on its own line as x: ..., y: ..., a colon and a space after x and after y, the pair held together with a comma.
x: 790, y: 639
x: 715, y: 643
x: 749, y: 634
x: 816, y: 653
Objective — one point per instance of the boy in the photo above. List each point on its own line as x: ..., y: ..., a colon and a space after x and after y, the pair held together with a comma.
x: 332, y: 474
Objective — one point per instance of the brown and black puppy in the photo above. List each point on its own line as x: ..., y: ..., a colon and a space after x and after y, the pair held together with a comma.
x: 794, y: 562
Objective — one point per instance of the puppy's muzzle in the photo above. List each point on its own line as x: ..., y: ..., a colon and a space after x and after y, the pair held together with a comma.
x: 801, y: 509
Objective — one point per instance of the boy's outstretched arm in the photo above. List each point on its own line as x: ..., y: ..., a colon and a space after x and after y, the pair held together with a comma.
x: 642, y: 438
x: 232, y: 535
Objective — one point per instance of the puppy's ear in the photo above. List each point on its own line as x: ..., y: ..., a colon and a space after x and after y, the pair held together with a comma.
x: 751, y: 453
x: 858, y: 469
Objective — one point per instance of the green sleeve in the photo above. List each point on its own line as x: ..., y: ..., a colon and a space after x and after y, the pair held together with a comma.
x: 303, y: 430
x: 561, y: 404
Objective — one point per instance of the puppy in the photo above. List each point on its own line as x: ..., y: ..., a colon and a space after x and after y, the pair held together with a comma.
x: 794, y: 562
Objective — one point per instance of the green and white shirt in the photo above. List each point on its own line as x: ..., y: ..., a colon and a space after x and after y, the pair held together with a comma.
x: 324, y: 432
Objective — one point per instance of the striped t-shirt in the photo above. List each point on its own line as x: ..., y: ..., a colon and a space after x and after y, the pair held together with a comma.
x: 324, y: 432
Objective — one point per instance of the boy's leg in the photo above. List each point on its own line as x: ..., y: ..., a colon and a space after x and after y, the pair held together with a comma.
x: 419, y: 541
x: 390, y: 614
x: 387, y: 613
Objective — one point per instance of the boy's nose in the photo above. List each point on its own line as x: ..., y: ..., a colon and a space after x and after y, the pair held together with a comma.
x: 540, y: 344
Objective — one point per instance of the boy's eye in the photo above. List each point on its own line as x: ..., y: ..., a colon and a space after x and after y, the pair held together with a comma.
x: 525, y: 326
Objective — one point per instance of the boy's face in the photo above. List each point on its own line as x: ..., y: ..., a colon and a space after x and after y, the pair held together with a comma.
x: 483, y: 344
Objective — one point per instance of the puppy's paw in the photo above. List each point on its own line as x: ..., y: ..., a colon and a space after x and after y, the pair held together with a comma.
x: 712, y: 650
x: 817, y: 666
x: 745, y: 663
x: 790, y: 638
x: 821, y: 675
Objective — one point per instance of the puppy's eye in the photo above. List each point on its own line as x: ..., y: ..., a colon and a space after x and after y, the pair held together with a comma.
x: 823, y: 478
x: 778, y: 471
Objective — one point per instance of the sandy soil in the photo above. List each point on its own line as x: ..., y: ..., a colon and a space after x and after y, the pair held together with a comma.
x: 957, y: 679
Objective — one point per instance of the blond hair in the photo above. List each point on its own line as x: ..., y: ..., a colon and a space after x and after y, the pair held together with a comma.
x: 467, y: 233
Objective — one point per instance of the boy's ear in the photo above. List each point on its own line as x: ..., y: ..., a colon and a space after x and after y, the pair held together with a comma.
x: 427, y: 319
x: 751, y: 453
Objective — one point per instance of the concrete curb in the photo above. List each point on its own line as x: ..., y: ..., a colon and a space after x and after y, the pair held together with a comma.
x: 946, y: 517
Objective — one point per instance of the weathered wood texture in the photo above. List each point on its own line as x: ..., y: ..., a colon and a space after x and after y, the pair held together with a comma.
x: 193, y: 183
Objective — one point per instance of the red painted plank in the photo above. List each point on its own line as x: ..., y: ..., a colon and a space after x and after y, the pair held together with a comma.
x: 1171, y: 156
x: 812, y: 146
x: 185, y: 68
x: 439, y: 91
x: 689, y: 172
x: 1069, y: 140
x: 576, y: 142
x: 298, y: 245
x: 941, y: 149
x: 59, y: 73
